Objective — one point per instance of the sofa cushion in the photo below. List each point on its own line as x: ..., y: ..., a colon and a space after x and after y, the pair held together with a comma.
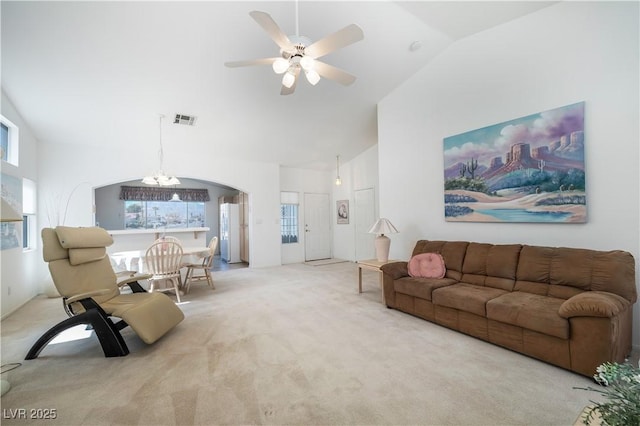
x: 612, y: 271
x: 420, y: 287
x: 426, y: 265
x: 565, y: 272
x: 465, y: 297
x: 530, y: 311
x: 491, y: 265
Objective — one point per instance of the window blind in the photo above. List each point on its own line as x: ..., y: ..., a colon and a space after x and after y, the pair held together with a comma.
x: 142, y: 193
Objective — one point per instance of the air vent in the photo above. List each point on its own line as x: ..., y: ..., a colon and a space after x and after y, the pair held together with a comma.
x: 187, y: 120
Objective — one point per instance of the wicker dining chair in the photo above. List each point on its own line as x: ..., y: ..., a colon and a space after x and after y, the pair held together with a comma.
x: 163, y: 261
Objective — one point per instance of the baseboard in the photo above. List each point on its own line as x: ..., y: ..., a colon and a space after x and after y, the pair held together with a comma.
x: 5, y: 315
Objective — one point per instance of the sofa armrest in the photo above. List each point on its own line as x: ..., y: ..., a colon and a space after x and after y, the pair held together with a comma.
x: 396, y: 269
x: 593, y: 304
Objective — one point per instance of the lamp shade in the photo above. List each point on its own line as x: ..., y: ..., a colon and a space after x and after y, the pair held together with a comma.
x: 383, y: 226
x: 306, y: 62
x: 149, y: 180
x: 280, y: 65
x: 312, y: 77
x: 288, y: 79
x: 8, y: 213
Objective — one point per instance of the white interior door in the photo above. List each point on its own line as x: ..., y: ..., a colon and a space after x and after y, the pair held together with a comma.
x: 365, y: 216
x: 317, y: 227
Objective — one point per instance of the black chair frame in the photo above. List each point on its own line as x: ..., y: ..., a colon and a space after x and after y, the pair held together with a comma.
x: 94, y: 316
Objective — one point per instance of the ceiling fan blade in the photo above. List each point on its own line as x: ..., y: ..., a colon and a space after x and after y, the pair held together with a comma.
x: 269, y: 25
x: 262, y: 61
x: 332, y: 73
x: 341, y: 38
x: 289, y: 90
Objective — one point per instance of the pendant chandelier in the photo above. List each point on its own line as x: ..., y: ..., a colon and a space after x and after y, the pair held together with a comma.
x: 338, y: 180
x: 160, y: 178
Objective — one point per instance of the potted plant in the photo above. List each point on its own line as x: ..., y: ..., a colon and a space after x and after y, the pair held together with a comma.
x: 621, y: 388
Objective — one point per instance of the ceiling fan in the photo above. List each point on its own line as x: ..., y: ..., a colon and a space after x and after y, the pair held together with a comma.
x: 299, y: 54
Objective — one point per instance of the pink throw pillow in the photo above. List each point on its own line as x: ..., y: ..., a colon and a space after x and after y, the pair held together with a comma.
x: 427, y: 265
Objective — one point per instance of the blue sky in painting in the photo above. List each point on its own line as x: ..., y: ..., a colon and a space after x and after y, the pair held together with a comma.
x: 496, y: 140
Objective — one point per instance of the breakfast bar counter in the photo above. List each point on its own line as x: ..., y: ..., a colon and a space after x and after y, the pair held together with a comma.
x: 134, y: 239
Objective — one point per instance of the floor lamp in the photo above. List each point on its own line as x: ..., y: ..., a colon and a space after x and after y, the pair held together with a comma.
x: 382, y: 242
x: 7, y: 214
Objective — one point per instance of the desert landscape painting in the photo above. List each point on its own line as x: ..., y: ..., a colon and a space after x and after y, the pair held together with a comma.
x: 529, y: 169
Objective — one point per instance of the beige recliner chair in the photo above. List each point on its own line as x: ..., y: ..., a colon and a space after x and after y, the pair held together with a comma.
x: 83, y: 275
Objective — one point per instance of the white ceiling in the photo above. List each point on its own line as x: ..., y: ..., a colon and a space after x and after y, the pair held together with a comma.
x: 100, y: 73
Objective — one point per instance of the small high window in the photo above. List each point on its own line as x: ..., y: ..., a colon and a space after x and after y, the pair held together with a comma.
x: 4, y: 141
x: 8, y: 141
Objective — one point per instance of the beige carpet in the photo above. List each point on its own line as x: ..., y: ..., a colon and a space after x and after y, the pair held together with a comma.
x: 286, y: 345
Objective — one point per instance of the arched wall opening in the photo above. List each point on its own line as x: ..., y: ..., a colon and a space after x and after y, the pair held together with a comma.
x: 112, y: 213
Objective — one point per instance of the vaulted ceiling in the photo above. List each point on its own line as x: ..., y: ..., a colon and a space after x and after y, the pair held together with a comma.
x: 101, y: 72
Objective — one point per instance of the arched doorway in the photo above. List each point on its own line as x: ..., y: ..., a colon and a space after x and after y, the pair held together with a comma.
x: 114, y: 213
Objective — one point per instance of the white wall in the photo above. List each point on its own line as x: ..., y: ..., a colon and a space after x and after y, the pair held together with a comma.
x: 356, y: 174
x: 566, y: 53
x: 22, y: 272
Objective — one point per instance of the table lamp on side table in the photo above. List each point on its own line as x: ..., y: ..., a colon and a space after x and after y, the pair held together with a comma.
x: 382, y: 242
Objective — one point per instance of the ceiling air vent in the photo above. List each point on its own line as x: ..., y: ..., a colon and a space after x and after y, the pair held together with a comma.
x: 188, y: 120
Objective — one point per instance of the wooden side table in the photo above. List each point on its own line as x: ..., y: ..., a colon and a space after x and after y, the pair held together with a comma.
x: 372, y: 265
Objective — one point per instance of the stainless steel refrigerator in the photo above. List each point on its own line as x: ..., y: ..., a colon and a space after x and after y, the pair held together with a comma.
x: 230, y: 232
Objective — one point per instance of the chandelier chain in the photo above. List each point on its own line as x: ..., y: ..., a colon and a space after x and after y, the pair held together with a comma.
x: 161, y: 152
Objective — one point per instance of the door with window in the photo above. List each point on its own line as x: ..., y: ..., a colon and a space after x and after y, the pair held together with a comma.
x: 317, y: 227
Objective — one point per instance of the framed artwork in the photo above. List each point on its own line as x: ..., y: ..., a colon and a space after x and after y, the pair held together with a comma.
x: 342, y: 209
x: 530, y: 169
x: 11, y: 232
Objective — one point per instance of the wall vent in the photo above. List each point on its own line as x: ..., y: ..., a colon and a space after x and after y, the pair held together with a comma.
x: 187, y: 120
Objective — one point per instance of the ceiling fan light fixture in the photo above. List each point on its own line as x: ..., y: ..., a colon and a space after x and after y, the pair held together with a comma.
x: 307, y: 63
x: 288, y: 79
x: 312, y: 77
x: 299, y: 53
x: 280, y: 65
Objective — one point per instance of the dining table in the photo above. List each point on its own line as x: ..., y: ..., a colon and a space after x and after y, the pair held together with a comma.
x: 134, y: 260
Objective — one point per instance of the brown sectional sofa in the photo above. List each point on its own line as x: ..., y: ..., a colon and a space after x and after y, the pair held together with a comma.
x: 569, y: 307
